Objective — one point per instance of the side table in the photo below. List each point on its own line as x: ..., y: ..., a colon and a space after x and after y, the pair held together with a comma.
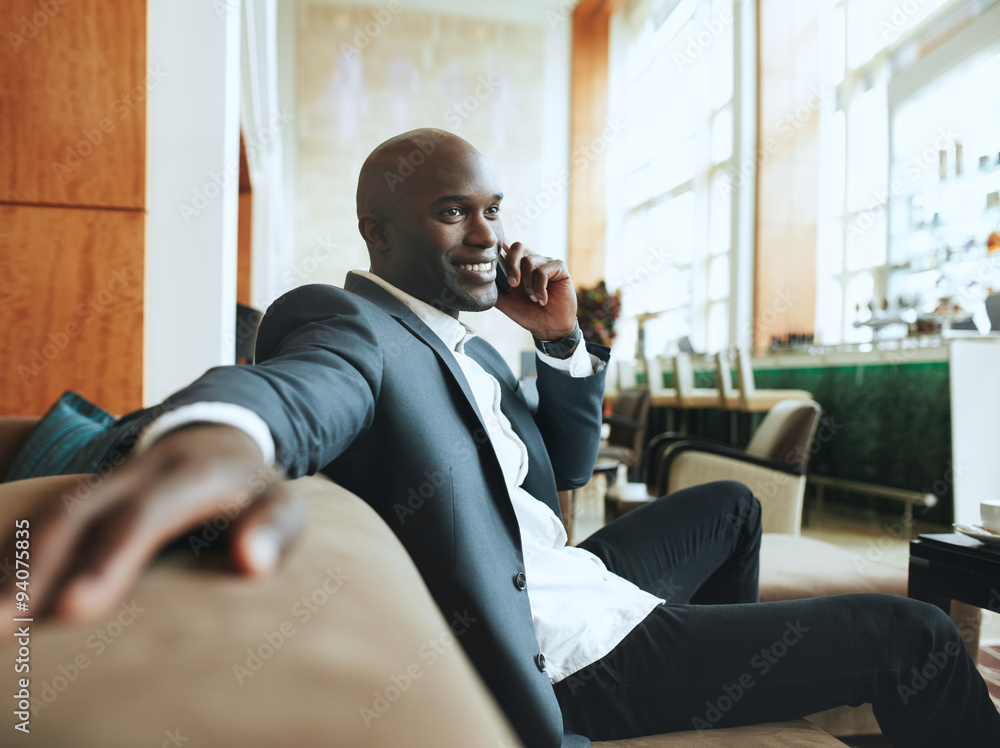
x: 951, y: 566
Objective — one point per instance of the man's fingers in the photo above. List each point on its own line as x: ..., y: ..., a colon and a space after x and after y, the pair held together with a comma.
x: 265, y: 531
x: 110, y: 557
x: 544, y: 274
x: 44, y: 568
x: 526, y: 268
x: 118, y: 545
x: 540, y: 282
x: 85, y: 554
x: 56, y: 529
x: 513, y: 263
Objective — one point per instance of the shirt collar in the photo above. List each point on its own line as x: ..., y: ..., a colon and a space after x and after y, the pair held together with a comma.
x: 453, y: 334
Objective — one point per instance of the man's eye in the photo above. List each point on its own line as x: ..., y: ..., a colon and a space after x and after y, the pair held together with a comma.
x: 452, y: 212
x: 493, y: 210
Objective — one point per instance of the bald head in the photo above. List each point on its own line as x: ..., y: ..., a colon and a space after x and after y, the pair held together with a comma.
x: 428, y: 209
x: 407, y: 163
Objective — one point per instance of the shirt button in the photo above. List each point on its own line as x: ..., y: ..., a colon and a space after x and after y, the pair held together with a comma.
x: 520, y: 581
x: 540, y: 661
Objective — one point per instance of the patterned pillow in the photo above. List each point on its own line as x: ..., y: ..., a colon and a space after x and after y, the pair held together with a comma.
x: 73, y: 437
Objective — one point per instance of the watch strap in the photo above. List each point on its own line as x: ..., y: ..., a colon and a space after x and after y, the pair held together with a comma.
x: 563, y: 346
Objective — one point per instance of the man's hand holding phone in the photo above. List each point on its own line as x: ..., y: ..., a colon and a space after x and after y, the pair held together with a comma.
x: 542, y: 299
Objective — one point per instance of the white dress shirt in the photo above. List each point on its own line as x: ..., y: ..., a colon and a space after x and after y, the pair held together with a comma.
x: 579, y: 609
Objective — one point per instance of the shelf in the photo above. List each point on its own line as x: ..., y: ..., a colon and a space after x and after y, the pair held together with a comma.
x: 958, y: 263
x: 984, y: 216
x: 968, y: 179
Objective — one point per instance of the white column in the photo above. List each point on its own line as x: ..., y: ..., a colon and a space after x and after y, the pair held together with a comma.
x: 975, y: 430
x: 268, y: 129
x: 744, y: 232
x: 192, y: 167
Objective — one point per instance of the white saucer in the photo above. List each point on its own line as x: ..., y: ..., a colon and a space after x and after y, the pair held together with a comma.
x: 979, y: 533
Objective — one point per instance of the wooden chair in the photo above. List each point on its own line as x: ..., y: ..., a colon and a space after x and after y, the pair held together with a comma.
x: 729, y: 395
x: 691, y: 397
x: 745, y: 399
x: 628, y: 428
x: 753, y: 400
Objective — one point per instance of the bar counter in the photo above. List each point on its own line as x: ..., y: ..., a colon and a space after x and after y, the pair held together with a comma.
x: 921, y: 414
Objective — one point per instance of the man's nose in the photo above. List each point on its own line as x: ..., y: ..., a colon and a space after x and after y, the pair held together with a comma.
x: 481, y: 233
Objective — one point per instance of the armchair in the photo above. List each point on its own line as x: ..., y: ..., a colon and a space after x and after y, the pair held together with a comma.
x: 773, y: 465
x: 628, y: 428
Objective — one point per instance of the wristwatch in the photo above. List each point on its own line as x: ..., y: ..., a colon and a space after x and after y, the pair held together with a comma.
x: 563, y: 346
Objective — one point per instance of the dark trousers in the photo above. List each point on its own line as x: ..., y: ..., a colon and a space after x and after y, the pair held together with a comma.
x: 727, y: 660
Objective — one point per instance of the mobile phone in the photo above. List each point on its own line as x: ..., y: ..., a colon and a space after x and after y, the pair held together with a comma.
x: 502, y: 285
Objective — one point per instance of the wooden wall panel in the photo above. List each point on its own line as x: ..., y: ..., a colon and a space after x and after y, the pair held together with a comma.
x: 73, y: 74
x: 244, y: 247
x: 72, y: 300
x: 588, y: 120
x: 244, y: 232
x: 788, y: 179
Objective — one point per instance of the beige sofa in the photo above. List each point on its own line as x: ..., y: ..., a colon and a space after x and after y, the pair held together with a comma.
x: 342, y: 647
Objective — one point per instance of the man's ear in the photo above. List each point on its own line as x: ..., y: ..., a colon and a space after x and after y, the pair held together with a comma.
x: 372, y: 228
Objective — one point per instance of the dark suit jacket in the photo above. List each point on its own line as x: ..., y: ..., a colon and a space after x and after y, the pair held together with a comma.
x: 354, y: 385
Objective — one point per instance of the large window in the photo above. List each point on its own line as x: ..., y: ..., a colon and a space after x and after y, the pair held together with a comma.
x: 671, y: 199
x: 868, y: 176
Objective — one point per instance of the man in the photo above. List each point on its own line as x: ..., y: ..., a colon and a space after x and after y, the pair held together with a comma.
x: 381, y: 388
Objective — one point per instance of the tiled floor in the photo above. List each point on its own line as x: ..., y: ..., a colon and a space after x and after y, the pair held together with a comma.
x: 875, y: 536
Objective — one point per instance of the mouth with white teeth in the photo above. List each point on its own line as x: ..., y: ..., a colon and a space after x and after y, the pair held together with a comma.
x: 484, y: 270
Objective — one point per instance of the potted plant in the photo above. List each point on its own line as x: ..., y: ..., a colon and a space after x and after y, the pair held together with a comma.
x: 597, y: 310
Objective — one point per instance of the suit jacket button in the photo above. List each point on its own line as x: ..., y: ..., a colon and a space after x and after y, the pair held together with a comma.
x: 520, y: 581
x: 540, y: 661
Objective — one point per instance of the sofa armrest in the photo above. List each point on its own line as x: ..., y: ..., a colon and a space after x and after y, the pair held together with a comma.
x: 14, y: 431
x: 342, y: 646
x: 677, y: 448
x: 657, y: 446
x: 630, y: 423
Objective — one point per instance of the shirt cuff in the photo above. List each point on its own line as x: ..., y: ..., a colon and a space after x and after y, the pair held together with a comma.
x: 228, y: 414
x: 581, y: 364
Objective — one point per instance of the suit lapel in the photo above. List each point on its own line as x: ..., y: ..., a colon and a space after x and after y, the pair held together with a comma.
x: 398, y: 310
x: 377, y: 295
x: 374, y: 293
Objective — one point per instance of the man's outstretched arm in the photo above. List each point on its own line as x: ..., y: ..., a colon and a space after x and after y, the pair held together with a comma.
x: 315, y: 401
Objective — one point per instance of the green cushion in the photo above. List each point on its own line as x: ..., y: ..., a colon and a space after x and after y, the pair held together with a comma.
x: 59, y: 443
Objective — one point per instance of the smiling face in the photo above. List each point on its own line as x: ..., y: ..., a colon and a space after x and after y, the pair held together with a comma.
x: 438, y: 234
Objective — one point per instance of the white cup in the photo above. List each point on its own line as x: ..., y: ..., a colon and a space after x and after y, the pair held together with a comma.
x: 990, y: 512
